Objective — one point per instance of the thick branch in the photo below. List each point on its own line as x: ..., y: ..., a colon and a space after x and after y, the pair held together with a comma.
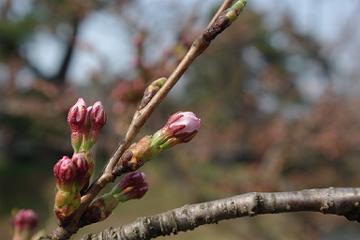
x: 338, y: 201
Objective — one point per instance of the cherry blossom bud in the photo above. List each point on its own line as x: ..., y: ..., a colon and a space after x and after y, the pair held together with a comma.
x: 183, y: 125
x: 24, y: 223
x: 76, y: 119
x: 83, y: 167
x: 132, y: 186
x: 71, y: 173
x: 97, y: 117
x: 65, y: 172
x: 76, y: 115
x: 81, y: 164
x: 87, y: 124
x: 25, y: 219
x: 70, y: 176
x: 94, y: 122
x: 180, y: 128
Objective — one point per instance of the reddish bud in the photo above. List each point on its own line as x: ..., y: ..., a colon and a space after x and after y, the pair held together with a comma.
x: 183, y: 125
x: 180, y: 128
x: 94, y: 121
x: 25, y: 219
x: 65, y: 171
x: 132, y: 186
x: 68, y: 171
x: 81, y: 165
x: 76, y: 115
x: 87, y: 124
x: 76, y: 119
x: 97, y: 116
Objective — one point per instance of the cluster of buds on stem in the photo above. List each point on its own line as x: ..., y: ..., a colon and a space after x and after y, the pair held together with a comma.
x: 181, y: 127
x: 24, y: 223
x: 73, y: 174
x: 132, y: 186
x: 85, y: 124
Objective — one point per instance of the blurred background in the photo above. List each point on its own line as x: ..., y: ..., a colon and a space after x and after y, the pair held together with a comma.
x: 278, y: 94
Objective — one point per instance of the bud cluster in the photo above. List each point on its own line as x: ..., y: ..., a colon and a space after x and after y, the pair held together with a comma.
x: 85, y: 124
x: 73, y: 174
x: 24, y: 223
x: 132, y: 186
x: 181, y: 127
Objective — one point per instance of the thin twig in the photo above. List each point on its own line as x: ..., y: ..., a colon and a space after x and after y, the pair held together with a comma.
x: 338, y: 201
x: 223, y: 21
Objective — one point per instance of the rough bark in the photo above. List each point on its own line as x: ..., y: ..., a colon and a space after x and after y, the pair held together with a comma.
x: 338, y: 201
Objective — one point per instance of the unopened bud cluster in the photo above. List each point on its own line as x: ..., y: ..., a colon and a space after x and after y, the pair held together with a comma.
x: 24, y: 223
x: 73, y: 174
x: 132, y: 186
x: 181, y: 127
x: 85, y: 124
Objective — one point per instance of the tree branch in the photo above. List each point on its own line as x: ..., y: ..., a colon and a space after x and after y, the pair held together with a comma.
x: 338, y: 201
x: 60, y: 76
x: 223, y: 21
x: 225, y: 5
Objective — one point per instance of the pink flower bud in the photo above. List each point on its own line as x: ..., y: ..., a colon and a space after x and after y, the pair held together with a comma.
x: 87, y: 124
x: 183, y: 125
x: 65, y: 171
x: 132, y: 186
x: 76, y: 115
x: 94, y: 121
x: 68, y: 171
x: 81, y: 165
x: 97, y: 116
x: 25, y: 219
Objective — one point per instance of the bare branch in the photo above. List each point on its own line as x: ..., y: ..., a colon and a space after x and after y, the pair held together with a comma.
x: 338, y: 201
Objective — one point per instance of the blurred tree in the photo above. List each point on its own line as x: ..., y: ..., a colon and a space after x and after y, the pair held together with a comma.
x: 260, y: 131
